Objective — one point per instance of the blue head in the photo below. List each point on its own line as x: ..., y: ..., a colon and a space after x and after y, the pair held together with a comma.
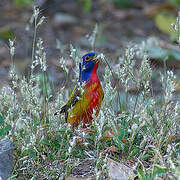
x: 88, y: 62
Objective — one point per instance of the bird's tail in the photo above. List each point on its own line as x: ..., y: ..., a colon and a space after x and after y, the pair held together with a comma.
x: 62, y: 110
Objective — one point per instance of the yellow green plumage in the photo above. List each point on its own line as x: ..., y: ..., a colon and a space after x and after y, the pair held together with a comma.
x: 82, y: 104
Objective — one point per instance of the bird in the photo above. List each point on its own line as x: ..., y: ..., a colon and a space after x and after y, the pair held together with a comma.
x: 85, y: 100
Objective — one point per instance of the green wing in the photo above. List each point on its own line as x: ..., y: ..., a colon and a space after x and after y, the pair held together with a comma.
x: 73, y: 99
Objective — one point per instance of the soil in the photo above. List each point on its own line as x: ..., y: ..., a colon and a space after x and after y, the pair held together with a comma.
x: 117, y: 28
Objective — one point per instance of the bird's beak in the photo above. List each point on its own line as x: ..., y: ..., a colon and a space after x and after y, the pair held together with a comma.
x: 97, y: 58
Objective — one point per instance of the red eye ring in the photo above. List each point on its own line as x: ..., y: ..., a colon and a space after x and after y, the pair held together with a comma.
x: 87, y: 58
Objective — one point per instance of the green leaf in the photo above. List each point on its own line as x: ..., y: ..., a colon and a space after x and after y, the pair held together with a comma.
x: 45, y: 142
x: 12, y: 177
x: 87, y: 5
x: 56, y: 144
x: 148, y: 102
x: 6, y: 33
x: 123, y: 3
x: 146, y: 156
x: 2, y: 132
x: 141, y: 173
x: 175, y: 54
x: 133, y: 152
x: 24, y: 2
x: 157, y: 52
x: 5, y: 130
x: 62, y: 130
x: 8, y: 128
x: 163, y: 21
x: 1, y: 120
x: 149, y: 111
x: 32, y: 153
x: 121, y: 133
x: 175, y: 2
x: 159, y: 170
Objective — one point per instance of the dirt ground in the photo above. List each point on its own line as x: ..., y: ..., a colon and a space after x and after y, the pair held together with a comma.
x: 68, y: 22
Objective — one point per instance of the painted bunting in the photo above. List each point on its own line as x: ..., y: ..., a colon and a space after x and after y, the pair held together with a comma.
x: 87, y: 95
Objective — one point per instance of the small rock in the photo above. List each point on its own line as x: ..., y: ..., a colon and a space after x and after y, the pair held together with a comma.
x: 62, y: 19
x: 119, y: 170
x: 6, y: 158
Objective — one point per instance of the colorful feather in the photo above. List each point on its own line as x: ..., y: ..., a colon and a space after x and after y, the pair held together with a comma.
x: 82, y: 104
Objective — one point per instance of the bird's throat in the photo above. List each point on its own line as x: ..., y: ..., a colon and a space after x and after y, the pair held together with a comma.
x: 94, y: 76
x: 91, y: 75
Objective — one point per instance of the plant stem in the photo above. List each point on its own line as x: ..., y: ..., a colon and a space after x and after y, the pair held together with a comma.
x: 137, y: 95
x: 14, y: 97
x: 45, y: 94
x: 116, y: 83
x: 34, y: 42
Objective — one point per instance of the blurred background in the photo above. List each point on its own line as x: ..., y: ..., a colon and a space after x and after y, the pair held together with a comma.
x: 120, y: 22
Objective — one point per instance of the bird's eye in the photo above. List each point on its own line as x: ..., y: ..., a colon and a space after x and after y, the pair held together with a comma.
x: 87, y: 58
